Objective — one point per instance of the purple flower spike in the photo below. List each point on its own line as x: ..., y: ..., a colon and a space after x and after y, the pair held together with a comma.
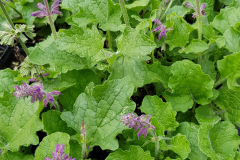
x: 161, y: 28
x: 43, y: 12
x: 202, y: 11
x: 138, y: 123
x: 58, y: 154
x: 83, y: 129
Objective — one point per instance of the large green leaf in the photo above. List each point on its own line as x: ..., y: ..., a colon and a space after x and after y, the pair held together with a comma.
x: 195, y: 46
x: 163, y: 112
x: 229, y: 101
x: 48, y: 144
x: 232, y: 37
x: 135, y: 152
x: 104, y: 12
x: 188, y: 79
x: 179, y: 35
x: 228, y: 17
x: 16, y: 156
x: 204, y: 114
x: 86, y: 43
x: 52, y: 123
x: 179, y: 102
x: 82, y: 78
x: 229, y: 67
x: 191, y: 132
x: 61, y: 60
x: 19, y: 121
x: 100, y: 109
x: 219, y: 141
x: 7, y: 80
x: 135, y: 43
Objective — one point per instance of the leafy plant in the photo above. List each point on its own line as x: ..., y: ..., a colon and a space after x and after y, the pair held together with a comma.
x: 139, y: 79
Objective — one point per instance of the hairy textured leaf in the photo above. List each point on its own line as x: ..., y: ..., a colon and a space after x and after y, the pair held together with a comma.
x: 137, y: 3
x: 179, y: 102
x: 19, y: 121
x: 190, y: 130
x: 52, y: 123
x: 218, y: 141
x: 209, y: 68
x: 179, y: 35
x: 104, y: 12
x: 86, y: 43
x: 82, y: 78
x: 232, y: 37
x: 100, y: 109
x: 229, y: 101
x: 228, y: 17
x: 161, y: 111
x: 135, y: 152
x: 16, y: 156
x: 195, y: 46
x: 205, y: 114
x: 188, y: 79
x: 7, y: 80
x: 62, y: 61
x: 180, y: 10
x: 48, y: 144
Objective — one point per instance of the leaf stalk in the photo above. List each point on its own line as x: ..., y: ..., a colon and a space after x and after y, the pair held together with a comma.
x: 124, y: 12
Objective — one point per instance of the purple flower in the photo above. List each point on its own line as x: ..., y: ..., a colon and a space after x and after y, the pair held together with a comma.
x: 36, y: 92
x: 43, y: 12
x: 138, y: 123
x: 202, y: 11
x: 162, y: 28
x: 58, y: 154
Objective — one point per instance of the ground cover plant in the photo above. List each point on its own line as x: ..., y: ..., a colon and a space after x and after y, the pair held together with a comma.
x: 109, y: 79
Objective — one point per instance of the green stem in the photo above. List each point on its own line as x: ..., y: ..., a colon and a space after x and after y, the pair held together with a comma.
x: 124, y: 12
x: 24, y: 47
x: 194, y: 106
x: 7, y: 3
x: 50, y: 20
x: 169, y: 5
x: 6, y: 14
x: 199, y: 21
x: 153, y: 59
x: 109, y: 39
x: 156, y: 149
x: 220, y: 81
x: 39, y: 72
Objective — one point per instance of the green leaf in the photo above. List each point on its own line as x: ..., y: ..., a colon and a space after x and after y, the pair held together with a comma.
x: 232, y: 39
x: 228, y: 17
x: 86, y: 43
x: 205, y: 114
x: 179, y: 35
x: 82, y: 78
x: 135, y: 43
x: 137, y: 4
x: 226, y: 2
x: 180, y: 145
x: 104, y: 12
x: 7, y: 80
x: 19, y: 121
x: 161, y: 111
x: 70, y: 5
x: 209, y: 68
x: 229, y: 101
x: 188, y: 79
x: 195, y: 46
x: 235, y: 3
x: 100, y: 109
x: 234, y: 81
x: 179, y: 102
x: 48, y: 144
x: 16, y: 156
x: 179, y: 10
x: 219, y: 141
x: 190, y: 130
x: 75, y: 149
x: 135, y: 152
x: 52, y: 122
x: 57, y: 58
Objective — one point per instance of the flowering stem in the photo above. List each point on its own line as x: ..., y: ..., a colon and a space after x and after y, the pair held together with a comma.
x: 84, y: 148
x: 169, y: 5
x: 50, y: 20
x: 6, y: 14
x: 39, y: 72
x: 7, y: 3
x: 124, y: 12
x: 199, y: 20
x: 109, y: 39
x: 156, y: 149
